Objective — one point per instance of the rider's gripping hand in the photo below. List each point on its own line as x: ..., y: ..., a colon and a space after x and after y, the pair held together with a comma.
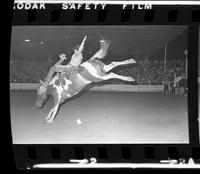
x: 63, y: 56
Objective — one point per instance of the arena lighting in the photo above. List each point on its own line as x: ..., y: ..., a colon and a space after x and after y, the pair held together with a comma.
x: 27, y: 40
x: 41, y: 42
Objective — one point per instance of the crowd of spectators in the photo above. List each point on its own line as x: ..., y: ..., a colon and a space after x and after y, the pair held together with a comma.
x: 145, y: 72
x: 27, y: 71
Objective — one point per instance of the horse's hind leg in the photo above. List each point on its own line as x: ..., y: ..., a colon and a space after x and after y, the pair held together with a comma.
x: 114, y: 64
x: 48, y: 116
x: 116, y: 76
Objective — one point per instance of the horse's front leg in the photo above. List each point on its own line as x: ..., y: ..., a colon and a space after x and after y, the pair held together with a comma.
x: 57, y: 101
x: 49, y: 119
x: 56, y: 97
x: 49, y: 115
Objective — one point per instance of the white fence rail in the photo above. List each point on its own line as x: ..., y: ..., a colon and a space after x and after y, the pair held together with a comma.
x: 108, y: 87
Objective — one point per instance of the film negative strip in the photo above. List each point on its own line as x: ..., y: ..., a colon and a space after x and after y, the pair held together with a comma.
x: 123, y: 81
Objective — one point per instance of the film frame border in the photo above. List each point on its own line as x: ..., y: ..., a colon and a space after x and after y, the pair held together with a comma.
x: 28, y: 155
x: 31, y: 154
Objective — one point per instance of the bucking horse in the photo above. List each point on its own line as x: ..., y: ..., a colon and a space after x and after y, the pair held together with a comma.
x: 88, y: 72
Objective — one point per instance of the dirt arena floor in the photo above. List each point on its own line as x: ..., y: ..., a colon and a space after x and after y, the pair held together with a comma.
x: 101, y: 117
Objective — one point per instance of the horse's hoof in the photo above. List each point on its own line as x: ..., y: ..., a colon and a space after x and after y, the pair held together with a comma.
x: 48, y: 121
x: 130, y: 79
x: 132, y: 61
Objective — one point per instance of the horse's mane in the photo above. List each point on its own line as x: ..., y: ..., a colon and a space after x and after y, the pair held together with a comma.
x: 54, y: 78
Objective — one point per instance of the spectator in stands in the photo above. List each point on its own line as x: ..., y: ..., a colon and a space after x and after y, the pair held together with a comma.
x: 166, y: 84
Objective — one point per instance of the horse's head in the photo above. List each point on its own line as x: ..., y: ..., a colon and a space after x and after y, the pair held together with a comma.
x: 41, y: 95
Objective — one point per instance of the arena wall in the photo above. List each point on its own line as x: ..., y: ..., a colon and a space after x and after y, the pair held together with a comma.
x: 105, y: 88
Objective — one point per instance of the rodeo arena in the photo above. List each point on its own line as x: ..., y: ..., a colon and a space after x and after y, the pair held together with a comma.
x: 128, y: 84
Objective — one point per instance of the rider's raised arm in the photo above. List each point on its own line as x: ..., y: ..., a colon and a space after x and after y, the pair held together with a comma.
x: 80, y: 49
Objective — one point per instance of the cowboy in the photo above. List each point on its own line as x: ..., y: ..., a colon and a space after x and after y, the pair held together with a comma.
x: 75, y: 61
x: 72, y: 66
x: 177, y: 81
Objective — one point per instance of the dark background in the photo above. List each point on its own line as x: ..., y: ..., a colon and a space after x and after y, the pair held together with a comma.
x: 47, y: 42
